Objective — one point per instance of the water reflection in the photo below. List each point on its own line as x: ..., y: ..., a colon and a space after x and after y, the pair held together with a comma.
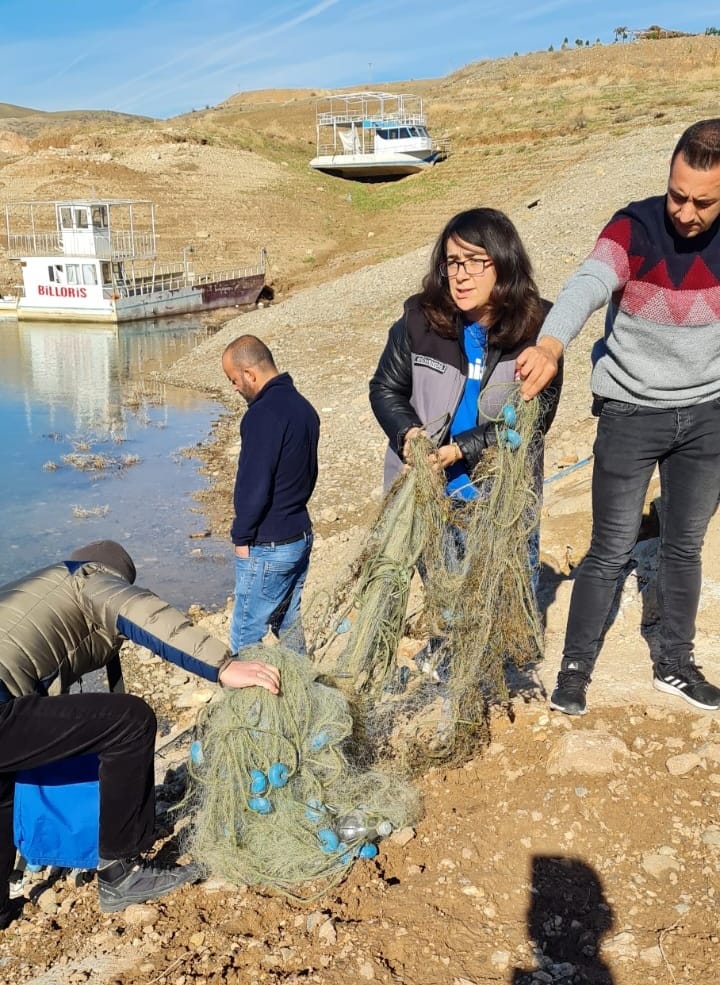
x: 93, y: 448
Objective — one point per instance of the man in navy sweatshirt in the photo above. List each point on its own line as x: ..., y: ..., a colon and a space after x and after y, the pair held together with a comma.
x: 277, y: 472
x: 656, y: 383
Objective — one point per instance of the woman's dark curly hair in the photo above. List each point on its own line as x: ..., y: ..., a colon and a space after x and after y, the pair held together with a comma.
x: 515, y: 309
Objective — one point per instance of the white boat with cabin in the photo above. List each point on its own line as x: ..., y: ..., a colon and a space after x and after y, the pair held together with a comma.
x: 96, y: 261
x: 373, y: 135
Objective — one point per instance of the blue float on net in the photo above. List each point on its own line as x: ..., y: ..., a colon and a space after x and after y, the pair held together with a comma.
x: 261, y: 805
x: 196, y: 753
x: 258, y: 782
x: 319, y: 741
x: 509, y: 415
x: 329, y: 841
x: 368, y: 850
x: 343, y: 626
x: 511, y: 438
x: 314, y: 810
x: 278, y: 775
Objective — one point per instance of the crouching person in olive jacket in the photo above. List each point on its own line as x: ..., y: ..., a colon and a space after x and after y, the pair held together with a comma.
x: 56, y: 625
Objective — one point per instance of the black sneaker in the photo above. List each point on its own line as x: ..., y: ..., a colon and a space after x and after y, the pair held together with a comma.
x: 569, y: 693
x: 138, y: 881
x: 688, y: 683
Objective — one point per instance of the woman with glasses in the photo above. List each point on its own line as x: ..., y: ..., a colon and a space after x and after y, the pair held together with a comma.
x: 449, y: 366
x: 449, y: 363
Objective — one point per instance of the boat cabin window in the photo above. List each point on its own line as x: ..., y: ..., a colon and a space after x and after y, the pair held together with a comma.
x: 72, y: 271
x: 89, y: 273
x: 74, y: 218
x: 398, y: 133
x: 99, y: 217
x: 56, y: 273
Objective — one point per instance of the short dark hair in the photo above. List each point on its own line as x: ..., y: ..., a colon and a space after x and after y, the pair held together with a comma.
x: 700, y: 145
x: 516, y: 309
x: 249, y: 350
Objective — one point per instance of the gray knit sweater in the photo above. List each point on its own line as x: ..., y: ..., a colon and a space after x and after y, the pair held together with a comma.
x: 661, y: 345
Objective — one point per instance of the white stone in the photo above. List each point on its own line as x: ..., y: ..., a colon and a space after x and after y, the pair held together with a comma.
x: 587, y: 751
x: 686, y: 762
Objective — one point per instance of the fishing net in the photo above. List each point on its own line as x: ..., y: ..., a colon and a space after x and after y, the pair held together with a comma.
x: 290, y: 790
x: 485, y: 589
x: 278, y: 800
x: 479, y: 560
x: 410, y: 525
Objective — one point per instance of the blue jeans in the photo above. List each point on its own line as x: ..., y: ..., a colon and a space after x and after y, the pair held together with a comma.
x: 685, y: 443
x: 268, y: 590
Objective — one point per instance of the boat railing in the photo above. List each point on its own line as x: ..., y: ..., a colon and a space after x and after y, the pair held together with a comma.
x: 174, y: 280
x: 33, y: 245
x: 376, y: 120
x: 123, y: 245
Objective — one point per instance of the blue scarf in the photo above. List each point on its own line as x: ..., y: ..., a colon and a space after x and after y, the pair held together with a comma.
x: 466, y: 415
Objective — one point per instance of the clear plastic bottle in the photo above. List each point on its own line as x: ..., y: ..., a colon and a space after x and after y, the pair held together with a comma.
x: 355, y: 826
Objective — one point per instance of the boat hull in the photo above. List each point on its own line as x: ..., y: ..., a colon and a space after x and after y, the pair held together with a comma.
x: 184, y: 300
x: 369, y: 166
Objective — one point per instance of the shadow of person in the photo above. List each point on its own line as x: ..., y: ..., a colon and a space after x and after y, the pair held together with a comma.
x: 567, y: 918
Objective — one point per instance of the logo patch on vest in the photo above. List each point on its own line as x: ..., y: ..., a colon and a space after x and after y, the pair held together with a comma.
x: 433, y: 364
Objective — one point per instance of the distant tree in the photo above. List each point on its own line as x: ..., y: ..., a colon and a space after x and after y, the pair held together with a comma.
x: 712, y: 30
x: 598, y: 41
x: 620, y: 33
x: 563, y: 46
x: 579, y: 43
x: 551, y: 48
x: 587, y: 44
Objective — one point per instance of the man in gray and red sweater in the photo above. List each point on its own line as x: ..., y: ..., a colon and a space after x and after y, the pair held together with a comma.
x: 656, y: 383
x: 276, y: 476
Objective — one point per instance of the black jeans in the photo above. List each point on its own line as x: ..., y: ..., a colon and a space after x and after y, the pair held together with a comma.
x: 120, y: 728
x: 685, y: 443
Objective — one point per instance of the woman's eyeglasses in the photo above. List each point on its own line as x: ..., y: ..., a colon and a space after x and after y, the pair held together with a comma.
x: 473, y: 266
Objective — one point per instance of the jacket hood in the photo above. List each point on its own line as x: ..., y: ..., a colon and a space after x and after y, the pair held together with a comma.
x: 109, y: 553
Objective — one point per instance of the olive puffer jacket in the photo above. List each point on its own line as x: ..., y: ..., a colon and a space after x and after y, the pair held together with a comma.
x: 68, y: 619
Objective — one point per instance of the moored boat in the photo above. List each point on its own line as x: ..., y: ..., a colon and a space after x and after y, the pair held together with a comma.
x: 96, y: 260
x: 373, y: 136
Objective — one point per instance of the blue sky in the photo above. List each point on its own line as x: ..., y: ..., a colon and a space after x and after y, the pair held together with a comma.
x: 163, y: 57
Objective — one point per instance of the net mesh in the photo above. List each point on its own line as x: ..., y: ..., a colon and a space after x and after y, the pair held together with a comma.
x: 281, y: 775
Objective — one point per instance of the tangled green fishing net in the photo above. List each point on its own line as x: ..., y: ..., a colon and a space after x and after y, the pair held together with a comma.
x: 278, y: 800
x: 487, y: 599
x: 373, y: 600
x: 479, y: 605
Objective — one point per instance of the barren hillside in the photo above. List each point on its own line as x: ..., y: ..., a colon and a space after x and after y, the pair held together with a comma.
x: 234, y: 177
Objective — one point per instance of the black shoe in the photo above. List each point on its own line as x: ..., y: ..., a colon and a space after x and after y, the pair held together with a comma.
x: 688, y: 683
x: 569, y: 693
x: 136, y: 881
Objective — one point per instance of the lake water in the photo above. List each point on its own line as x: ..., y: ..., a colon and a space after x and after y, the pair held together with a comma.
x: 93, y: 449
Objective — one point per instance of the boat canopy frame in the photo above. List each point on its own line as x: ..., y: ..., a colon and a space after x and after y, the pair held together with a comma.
x: 362, y: 114
x: 116, y: 229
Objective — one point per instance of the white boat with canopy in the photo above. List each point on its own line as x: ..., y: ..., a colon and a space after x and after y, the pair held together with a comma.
x: 373, y: 135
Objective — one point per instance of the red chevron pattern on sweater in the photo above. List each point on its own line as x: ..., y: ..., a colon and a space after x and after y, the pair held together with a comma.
x: 660, y: 276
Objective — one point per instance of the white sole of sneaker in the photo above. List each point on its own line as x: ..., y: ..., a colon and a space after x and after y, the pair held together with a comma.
x: 671, y: 689
x: 565, y: 711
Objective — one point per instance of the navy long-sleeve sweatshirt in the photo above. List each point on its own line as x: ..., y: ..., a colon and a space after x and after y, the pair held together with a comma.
x: 277, y: 469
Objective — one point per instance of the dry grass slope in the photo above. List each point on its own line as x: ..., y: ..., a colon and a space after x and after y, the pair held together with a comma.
x: 234, y: 177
